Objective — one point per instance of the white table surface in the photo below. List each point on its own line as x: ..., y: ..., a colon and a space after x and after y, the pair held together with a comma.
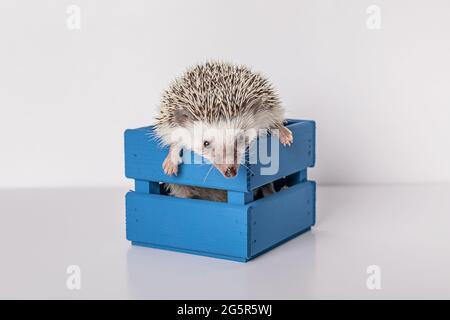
x: 405, y: 230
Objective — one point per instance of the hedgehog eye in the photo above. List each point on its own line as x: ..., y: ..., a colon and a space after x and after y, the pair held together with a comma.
x: 206, y: 144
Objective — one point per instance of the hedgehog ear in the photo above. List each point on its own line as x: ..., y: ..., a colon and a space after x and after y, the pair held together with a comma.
x: 181, y: 117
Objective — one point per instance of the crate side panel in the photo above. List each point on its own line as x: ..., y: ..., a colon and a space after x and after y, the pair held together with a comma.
x: 196, y: 252
x: 187, y: 224
x: 144, y: 157
x: 280, y: 216
x: 299, y: 156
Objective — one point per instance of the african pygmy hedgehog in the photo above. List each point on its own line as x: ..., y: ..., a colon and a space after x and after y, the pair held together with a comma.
x: 222, y: 106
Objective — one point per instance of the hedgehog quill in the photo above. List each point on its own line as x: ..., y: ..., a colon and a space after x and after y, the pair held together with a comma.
x: 226, y: 106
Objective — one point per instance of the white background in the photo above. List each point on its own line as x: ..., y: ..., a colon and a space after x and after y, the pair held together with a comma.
x: 380, y: 97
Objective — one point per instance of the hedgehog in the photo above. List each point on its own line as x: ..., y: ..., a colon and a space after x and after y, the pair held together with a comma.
x: 223, y: 107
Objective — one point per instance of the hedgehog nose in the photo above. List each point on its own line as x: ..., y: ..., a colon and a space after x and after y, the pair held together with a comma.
x: 230, y: 172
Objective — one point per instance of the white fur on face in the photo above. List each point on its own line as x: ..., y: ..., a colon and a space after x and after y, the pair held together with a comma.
x: 220, y: 143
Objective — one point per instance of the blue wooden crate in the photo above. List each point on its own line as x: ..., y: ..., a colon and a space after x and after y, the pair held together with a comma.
x: 240, y: 229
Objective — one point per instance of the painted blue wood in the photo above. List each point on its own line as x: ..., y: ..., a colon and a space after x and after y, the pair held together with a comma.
x: 221, y: 230
x: 281, y: 216
x: 238, y: 197
x: 144, y: 157
x: 199, y: 253
x: 187, y: 224
x: 239, y: 230
x: 297, y: 157
x: 146, y: 186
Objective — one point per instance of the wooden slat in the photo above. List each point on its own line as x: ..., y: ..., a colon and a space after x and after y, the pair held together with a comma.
x: 144, y: 158
x: 187, y: 224
x: 280, y: 216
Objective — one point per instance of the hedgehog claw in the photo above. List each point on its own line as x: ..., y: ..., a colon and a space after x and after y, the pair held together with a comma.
x: 286, y: 137
x: 170, y: 167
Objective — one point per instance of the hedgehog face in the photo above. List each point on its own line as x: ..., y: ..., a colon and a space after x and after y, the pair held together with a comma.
x: 223, y: 144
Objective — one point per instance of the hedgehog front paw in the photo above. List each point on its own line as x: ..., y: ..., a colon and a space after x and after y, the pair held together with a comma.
x: 286, y: 137
x: 170, y: 165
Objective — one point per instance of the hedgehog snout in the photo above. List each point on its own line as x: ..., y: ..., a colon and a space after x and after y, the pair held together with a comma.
x: 228, y: 171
